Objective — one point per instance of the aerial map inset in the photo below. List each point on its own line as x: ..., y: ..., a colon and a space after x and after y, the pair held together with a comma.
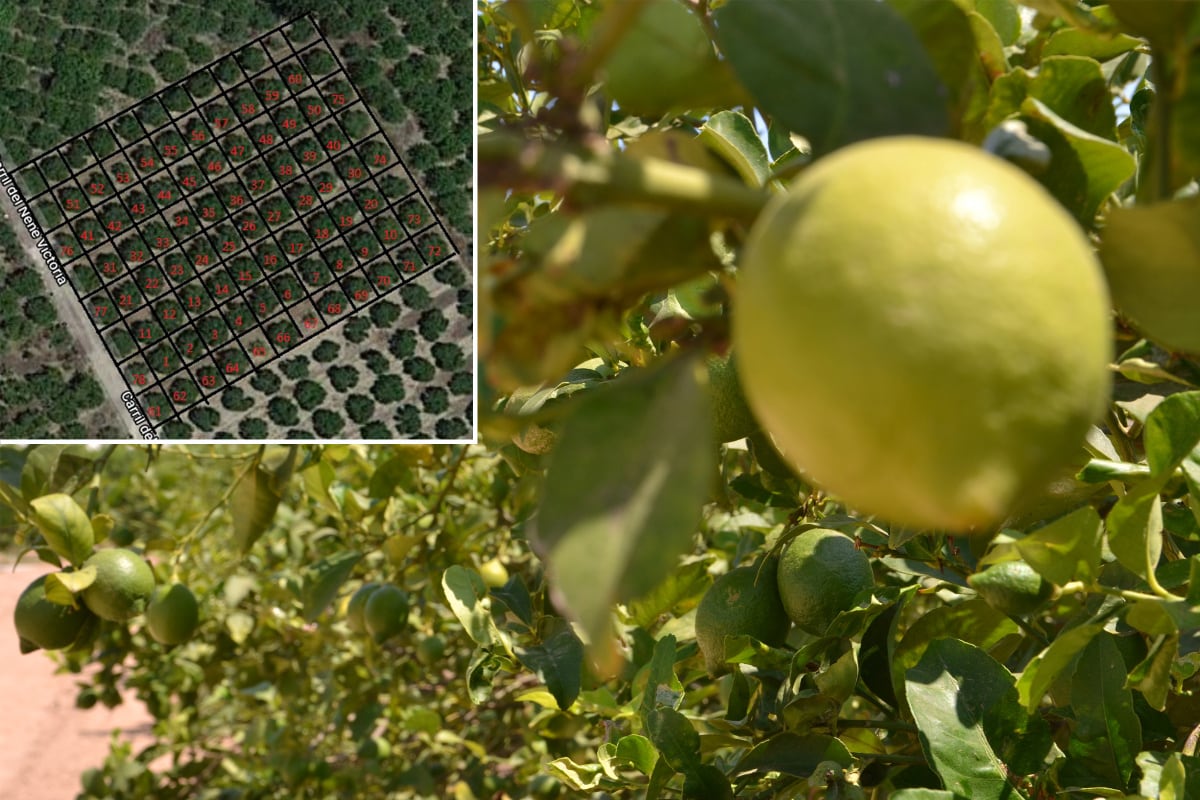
x: 246, y: 253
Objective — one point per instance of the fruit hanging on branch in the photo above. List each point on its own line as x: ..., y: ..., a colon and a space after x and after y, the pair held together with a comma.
x: 924, y: 331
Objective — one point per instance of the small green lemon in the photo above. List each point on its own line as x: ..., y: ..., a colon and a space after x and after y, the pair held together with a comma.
x: 41, y: 623
x: 1012, y: 587
x: 923, y: 330
x: 354, y: 611
x: 820, y: 574
x: 431, y: 649
x: 123, y: 585
x: 173, y: 614
x: 386, y: 612
x: 494, y: 573
x: 743, y: 601
x: 732, y: 418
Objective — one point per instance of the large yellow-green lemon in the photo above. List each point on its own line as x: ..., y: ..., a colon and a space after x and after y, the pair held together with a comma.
x: 820, y: 573
x: 123, y: 586
x: 923, y: 330
x: 732, y: 418
x: 743, y: 601
x: 1151, y: 255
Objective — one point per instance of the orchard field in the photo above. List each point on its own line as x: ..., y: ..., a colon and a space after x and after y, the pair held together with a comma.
x: 69, y: 66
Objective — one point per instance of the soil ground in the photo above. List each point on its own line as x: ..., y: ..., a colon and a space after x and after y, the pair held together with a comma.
x: 45, y: 742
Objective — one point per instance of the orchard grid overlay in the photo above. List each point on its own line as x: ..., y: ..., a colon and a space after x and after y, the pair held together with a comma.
x: 181, y: 239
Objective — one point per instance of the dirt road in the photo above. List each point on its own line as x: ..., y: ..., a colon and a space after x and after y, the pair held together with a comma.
x: 45, y: 742
x: 72, y: 314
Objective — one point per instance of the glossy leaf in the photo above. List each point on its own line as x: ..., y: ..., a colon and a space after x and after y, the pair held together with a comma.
x: 613, y: 520
x: 833, y: 71
x: 1067, y: 549
x: 1107, y: 734
x: 732, y: 136
x: 1046, y: 667
x: 64, y: 525
x: 794, y: 754
x: 557, y: 661
x: 973, y: 729
x: 324, y: 579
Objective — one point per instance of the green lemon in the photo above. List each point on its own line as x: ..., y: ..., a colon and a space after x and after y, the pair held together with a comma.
x: 1151, y: 255
x: 1013, y: 587
x: 386, y: 612
x: 173, y: 614
x: 354, y: 610
x: 123, y: 585
x: 41, y: 623
x: 740, y: 602
x: 820, y: 573
x: 732, y: 418
x: 431, y: 649
x: 923, y: 330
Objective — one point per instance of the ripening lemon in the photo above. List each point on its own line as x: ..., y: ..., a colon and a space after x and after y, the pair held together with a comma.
x: 42, y: 623
x: 173, y: 614
x: 123, y: 585
x: 743, y: 601
x: 820, y: 573
x: 354, y: 609
x: 923, y: 330
x: 732, y: 418
x: 386, y: 612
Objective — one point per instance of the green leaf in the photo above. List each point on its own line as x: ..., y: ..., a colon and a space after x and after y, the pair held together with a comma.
x: 949, y: 38
x: 973, y: 729
x: 1041, y: 672
x: 102, y: 526
x: 466, y: 593
x: 1151, y: 254
x: 1135, y: 529
x: 1152, y: 677
x: 676, y: 739
x: 833, y: 71
x: 71, y: 582
x: 665, y: 62
x: 707, y: 782
x: 614, y: 519
x: 557, y: 661
x: 793, y: 754
x: 252, y: 506
x: 638, y: 751
x: 1067, y: 549
x: 1084, y: 169
x: 972, y: 621
x: 662, y: 686
x: 65, y: 526
x: 323, y: 580
x: 1108, y: 733
x: 1172, y: 432
x: 689, y: 581
x: 732, y: 136
x: 924, y: 794
x: 1004, y: 18
x: 1072, y: 87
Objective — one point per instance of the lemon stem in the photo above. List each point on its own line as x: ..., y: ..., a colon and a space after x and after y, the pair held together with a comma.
x: 1128, y: 594
x: 590, y: 178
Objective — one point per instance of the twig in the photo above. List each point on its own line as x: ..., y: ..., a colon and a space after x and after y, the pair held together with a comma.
x: 508, y: 158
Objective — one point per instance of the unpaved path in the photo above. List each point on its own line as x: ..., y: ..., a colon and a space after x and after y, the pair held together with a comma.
x: 72, y: 314
x: 45, y: 742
